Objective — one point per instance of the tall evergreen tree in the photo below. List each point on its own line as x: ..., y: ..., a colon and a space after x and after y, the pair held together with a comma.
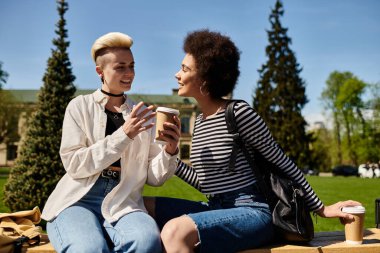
x: 280, y: 94
x: 38, y: 166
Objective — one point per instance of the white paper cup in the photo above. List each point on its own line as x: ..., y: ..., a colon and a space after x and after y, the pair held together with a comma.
x: 163, y: 114
x: 354, y: 229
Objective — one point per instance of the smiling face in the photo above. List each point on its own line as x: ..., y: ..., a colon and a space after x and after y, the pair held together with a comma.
x: 188, y: 80
x: 117, y: 69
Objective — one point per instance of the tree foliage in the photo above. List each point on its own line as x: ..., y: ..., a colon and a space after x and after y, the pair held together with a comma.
x: 356, y: 135
x: 321, y: 150
x: 38, y: 166
x: 280, y: 94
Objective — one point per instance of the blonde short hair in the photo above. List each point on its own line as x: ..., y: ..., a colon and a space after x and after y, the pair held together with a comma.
x: 110, y: 40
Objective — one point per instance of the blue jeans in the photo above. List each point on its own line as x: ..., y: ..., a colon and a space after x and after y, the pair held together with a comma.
x: 229, y: 222
x: 82, y: 228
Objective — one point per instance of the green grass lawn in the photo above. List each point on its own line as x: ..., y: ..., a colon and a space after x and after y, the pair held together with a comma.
x: 333, y: 189
x: 3, y: 208
x: 329, y: 189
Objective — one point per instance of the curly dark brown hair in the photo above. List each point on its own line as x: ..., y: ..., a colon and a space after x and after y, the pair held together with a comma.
x: 216, y: 58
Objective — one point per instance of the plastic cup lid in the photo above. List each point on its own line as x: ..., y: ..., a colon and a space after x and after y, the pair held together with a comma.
x: 168, y: 110
x: 353, y: 209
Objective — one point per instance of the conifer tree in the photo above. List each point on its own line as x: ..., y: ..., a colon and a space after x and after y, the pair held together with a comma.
x: 38, y: 166
x: 280, y: 94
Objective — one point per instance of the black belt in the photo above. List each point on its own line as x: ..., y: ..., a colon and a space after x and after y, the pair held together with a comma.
x: 108, y: 173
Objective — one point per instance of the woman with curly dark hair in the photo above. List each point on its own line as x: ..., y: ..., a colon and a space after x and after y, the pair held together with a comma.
x: 236, y: 216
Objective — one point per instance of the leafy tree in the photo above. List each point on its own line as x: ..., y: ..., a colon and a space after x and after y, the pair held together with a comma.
x: 38, y: 166
x: 350, y: 104
x: 329, y: 97
x: 375, y: 101
x: 280, y: 94
x: 354, y: 119
x: 372, y: 153
x: 321, y: 155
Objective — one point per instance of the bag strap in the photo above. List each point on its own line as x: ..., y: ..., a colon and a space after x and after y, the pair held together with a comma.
x: 232, y: 129
x: 239, y: 143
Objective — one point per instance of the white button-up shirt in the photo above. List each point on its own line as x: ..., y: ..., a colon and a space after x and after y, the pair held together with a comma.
x: 86, y: 151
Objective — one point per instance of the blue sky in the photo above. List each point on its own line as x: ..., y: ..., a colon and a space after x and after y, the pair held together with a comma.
x: 327, y: 35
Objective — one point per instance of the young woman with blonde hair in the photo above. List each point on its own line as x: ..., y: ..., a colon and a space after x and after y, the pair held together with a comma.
x: 109, y: 153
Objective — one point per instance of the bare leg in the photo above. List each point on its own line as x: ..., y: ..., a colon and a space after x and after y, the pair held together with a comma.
x: 180, y: 235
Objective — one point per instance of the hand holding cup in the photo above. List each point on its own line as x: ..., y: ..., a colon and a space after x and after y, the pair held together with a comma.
x: 168, y: 128
x: 135, y: 122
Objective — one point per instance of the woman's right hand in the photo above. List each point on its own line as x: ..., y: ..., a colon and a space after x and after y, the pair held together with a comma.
x: 335, y: 210
x: 134, y: 124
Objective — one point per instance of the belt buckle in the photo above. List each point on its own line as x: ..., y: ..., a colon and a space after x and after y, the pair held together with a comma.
x: 107, y: 173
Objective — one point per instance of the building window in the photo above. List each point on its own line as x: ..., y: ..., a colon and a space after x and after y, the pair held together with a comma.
x: 11, y: 152
x: 185, y: 151
x: 185, y: 124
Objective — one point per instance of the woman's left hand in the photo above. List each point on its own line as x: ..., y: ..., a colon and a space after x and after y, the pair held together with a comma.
x: 171, y: 135
x: 335, y: 210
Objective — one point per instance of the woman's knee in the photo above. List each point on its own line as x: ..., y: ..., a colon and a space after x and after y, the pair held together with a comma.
x: 76, y: 229
x: 73, y: 244
x: 144, y: 241
x: 170, y: 230
x: 181, y: 230
x: 138, y: 232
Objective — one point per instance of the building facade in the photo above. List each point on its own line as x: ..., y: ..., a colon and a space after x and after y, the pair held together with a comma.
x: 187, y: 107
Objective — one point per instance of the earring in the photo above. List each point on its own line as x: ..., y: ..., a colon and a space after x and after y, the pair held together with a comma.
x: 201, y: 91
x: 101, y: 77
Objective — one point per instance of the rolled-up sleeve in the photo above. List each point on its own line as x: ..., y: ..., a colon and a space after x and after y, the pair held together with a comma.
x: 161, y: 165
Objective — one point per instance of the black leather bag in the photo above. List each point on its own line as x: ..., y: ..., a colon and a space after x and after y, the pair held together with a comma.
x: 291, y: 217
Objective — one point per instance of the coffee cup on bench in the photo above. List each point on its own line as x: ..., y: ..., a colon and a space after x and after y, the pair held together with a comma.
x: 354, y: 229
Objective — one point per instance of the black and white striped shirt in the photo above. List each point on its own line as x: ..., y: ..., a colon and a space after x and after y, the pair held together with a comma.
x: 211, y: 150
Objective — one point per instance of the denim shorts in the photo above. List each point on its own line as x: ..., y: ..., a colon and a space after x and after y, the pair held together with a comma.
x: 229, y: 222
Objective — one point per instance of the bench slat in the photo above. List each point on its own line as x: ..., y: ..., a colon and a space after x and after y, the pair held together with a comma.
x: 324, y: 242
x: 328, y: 242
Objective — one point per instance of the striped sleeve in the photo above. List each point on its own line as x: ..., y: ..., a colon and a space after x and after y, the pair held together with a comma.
x: 255, y: 133
x: 187, y: 174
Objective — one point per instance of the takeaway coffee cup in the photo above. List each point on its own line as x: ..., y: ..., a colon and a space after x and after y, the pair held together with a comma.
x: 163, y: 114
x: 354, y: 229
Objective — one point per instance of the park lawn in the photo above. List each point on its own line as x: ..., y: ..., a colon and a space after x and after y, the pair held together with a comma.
x: 329, y: 189
x: 4, y: 171
x: 175, y: 188
x: 334, y: 189
x: 3, y: 208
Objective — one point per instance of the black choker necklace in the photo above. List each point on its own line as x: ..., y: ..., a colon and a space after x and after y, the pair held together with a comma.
x: 110, y: 94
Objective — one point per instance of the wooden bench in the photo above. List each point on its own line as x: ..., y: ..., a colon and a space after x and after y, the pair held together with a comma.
x: 324, y: 242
